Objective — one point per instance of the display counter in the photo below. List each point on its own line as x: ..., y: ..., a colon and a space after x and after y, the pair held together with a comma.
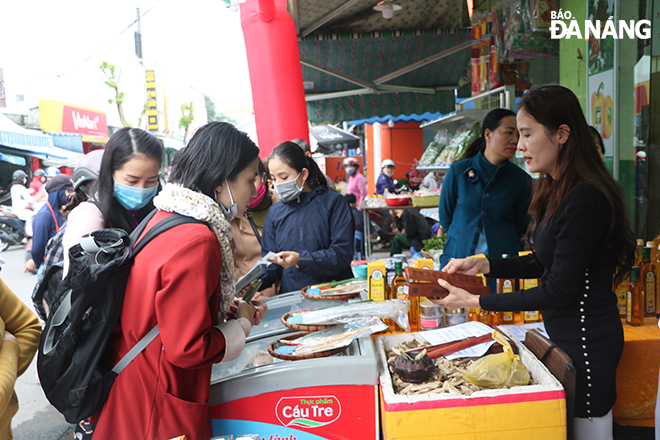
x: 637, y: 375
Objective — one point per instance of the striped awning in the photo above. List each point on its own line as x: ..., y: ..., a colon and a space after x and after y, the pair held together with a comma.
x: 14, y: 136
x: 396, y: 119
x: 68, y: 141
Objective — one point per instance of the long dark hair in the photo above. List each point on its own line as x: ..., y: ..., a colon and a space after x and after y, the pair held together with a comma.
x: 123, y: 145
x: 292, y: 155
x: 216, y: 153
x: 577, y: 162
x: 492, y: 120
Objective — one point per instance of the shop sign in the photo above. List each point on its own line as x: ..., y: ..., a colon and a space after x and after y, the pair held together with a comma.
x: 152, y: 110
x: 78, y: 120
x: 61, y: 117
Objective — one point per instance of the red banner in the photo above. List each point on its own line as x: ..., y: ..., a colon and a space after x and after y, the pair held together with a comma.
x: 78, y: 120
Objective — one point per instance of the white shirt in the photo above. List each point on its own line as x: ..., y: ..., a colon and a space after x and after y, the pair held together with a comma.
x: 20, y: 200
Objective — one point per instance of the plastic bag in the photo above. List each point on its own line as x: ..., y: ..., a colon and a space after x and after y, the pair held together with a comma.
x: 337, y: 336
x: 396, y: 309
x: 498, y: 370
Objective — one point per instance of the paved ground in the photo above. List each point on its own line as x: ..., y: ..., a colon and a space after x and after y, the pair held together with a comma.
x: 36, y: 418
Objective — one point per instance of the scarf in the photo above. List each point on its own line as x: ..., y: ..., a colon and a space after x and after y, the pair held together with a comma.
x: 185, y: 201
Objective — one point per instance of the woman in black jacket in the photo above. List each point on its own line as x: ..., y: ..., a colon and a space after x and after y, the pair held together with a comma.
x: 582, y: 240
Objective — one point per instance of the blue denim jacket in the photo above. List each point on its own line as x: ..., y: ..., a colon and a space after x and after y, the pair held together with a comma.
x: 478, y: 196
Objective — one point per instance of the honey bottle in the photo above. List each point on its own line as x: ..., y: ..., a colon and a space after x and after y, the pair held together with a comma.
x: 399, y: 293
x: 635, y: 299
x: 654, y: 251
x: 473, y: 315
x: 648, y: 277
x: 529, y: 316
x: 638, y: 251
x: 484, y: 316
x: 505, y: 285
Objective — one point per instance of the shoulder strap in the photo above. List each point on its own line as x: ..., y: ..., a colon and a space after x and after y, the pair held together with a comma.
x: 137, y: 349
x: 162, y: 226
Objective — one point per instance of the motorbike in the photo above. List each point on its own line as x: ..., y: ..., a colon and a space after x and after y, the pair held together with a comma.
x: 12, y: 229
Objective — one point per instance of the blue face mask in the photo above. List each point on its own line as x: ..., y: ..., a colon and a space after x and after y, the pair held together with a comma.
x: 133, y: 198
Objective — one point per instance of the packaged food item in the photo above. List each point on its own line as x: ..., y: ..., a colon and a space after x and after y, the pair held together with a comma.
x: 498, y: 370
x: 430, y: 316
x: 455, y: 316
x: 377, y: 278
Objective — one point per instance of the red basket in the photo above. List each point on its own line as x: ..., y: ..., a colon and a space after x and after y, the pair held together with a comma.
x: 397, y: 201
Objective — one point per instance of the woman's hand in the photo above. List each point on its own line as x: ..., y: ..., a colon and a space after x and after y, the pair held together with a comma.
x: 259, y: 313
x: 468, y: 266
x: 245, y: 310
x: 9, y: 337
x: 286, y: 259
x: 457, y: 297
x: 29, y: 266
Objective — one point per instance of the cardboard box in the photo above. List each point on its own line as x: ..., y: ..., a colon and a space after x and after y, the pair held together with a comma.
x: 530, y: 412
x: 426, y: 201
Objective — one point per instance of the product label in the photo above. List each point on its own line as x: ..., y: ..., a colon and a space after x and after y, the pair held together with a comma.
x: 530, y: 283
x: 629, y: 306
x: 400, y: 294
x: 377, y: 286
x: 308, y: 412
x: 531, y: 316
x: 430, y: 323
x: 507, y: 286
x: 650, y: 293
x: 507, y: 316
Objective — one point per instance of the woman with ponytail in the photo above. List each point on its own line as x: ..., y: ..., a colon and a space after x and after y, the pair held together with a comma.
x: 311, y: 229
x: 485, y: 197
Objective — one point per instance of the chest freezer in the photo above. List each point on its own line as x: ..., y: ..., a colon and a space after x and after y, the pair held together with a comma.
x: 334, y: 397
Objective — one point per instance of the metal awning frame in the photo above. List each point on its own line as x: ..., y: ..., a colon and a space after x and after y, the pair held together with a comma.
x: 378, y: 86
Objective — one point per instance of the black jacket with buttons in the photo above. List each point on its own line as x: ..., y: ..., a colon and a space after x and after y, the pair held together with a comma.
x: 576, y: 261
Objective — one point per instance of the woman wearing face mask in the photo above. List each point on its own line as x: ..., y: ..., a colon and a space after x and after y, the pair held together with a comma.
x: 121, y: 197
x: 385, y: 181
x: 357, y: 184
x: 484, y: 198
x: 164, y: 393
x: 582, y: 240
x: 246, y: 245
x: 311, y: 229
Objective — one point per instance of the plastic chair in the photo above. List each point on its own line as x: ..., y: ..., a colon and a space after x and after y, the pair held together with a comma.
x: 358, y: 245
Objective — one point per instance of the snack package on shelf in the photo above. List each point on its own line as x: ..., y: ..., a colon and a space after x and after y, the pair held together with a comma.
x: 434, y: 149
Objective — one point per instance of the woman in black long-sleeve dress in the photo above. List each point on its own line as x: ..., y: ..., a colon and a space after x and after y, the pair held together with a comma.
x: 582, y: 239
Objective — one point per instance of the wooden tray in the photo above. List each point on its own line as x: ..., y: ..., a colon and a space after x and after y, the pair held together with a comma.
x: 301, y: 327
x: 344, y: 296
x: 471, y: 283
x: 292, y: 357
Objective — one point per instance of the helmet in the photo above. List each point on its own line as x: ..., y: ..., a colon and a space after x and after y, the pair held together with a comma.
x: 87, y: 169
x: 18, y: 175
x: 40, y: 172
x: 351, y: 161
x: 387, y: 163
x: 52, y: 172
x: 61, y: 181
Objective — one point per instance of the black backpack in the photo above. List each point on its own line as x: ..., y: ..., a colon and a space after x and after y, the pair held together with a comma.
x: 85, y: 309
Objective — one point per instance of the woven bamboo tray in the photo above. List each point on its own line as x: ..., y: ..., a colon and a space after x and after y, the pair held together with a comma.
x: 292, y: 357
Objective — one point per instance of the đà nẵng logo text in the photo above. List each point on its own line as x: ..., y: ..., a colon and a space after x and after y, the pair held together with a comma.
x: 308, y: 412
x: 618, y: 30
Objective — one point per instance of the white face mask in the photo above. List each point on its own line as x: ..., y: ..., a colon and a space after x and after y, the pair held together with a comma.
x: 288, y: 191
x: 388, y: 173
x: 233, y: 208
x: 350, y: 170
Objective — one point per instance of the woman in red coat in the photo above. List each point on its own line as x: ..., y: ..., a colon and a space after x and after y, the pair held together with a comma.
x: 164, y: 392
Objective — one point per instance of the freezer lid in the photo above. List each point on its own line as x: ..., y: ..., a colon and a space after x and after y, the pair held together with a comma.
x: 240, y: 378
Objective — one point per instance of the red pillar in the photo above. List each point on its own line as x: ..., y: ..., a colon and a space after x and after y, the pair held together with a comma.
x: 278, y: 96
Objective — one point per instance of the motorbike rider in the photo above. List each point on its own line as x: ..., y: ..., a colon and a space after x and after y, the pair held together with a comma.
x: 38, y: 180
x: 42, y: 194
x: 21, y: 200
